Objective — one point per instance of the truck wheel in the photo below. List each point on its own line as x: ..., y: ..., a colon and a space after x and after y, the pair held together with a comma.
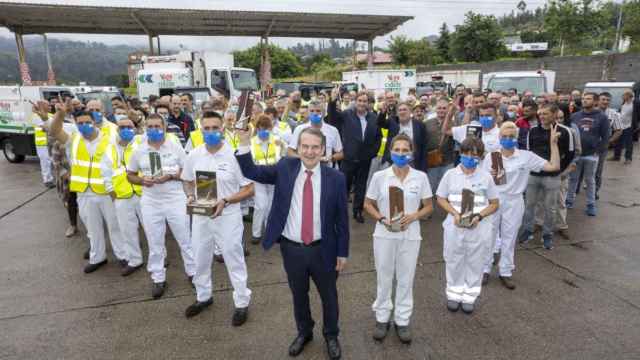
x: 12, y: 157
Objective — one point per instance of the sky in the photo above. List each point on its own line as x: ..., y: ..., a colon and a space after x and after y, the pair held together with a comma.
x: 428, y: 17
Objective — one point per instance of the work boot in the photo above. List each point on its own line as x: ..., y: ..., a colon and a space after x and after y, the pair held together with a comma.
x: 128, y: 270
x: 485, y: 278
x: 158, y: 289
x: 298, y: 344
x: 507, y: 282
x: 467, y: 308
x: 197, y: 307
x: 218, y: 258
x: 123, y: 263
x: 333, y: 348
x: 525, y: 237
x: 49, y: 185
x: 358, y: 217
x: 93, y: 267
x: 380, y: 332
x: 404, y: 334
x: 71, y: 230
x: 547, y: 242
x: 453, y: 306
x: 564, y: 233
x: 240, y: 316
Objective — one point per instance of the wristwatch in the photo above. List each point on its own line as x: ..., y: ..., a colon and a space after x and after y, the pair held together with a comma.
x: 226, y: 202
x: 380, y: 220
x: 480, y: 216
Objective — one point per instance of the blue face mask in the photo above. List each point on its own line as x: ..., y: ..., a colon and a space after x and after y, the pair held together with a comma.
x: 126, y: 134
x: 155, y: 135
x: 315, y: 119
x: 486, y: 121
x: 469, y: 162
x: 508, y: 143
x: 86, y: 129
x: 212, y: 138
x: 400, y: 160
x: 263, y: 134
x: 97, y: 116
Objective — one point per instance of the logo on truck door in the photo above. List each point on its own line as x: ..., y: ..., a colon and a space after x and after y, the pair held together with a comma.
x: 393, y: 83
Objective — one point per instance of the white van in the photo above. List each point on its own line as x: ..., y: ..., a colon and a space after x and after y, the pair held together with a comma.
x: 16, y: 128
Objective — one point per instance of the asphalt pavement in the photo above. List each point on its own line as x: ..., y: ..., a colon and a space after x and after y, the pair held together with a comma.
x: 580, y: 300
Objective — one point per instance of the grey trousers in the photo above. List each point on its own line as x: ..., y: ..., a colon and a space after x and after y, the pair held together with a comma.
x: 542, y: 190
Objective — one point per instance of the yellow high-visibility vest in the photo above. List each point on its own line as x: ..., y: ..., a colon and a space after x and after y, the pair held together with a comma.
x: 85, y: 169
x: 121, y: 185
x: 108, y: 129
x: 383, y: 143
x: 40, y: 136
x: 273, y: 151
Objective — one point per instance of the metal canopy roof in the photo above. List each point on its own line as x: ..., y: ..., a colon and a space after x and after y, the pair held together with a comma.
x: 35, y: 18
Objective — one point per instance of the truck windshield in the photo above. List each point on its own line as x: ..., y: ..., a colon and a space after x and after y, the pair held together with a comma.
x: 616, y: 94
x: 244, y: 80
x: 533, y: 83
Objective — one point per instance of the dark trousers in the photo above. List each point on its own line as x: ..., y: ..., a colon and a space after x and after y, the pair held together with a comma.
x: 626, y: 142
x: 356, y: 173
x: 72, y: 208
x: 302, y: 263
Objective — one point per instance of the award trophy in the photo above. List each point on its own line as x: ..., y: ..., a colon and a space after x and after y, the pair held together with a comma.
x: 155, y: 164
x: 466, y: 208
x: 474, y: 130
x: 206, y: 194
x: 396, y: 208
x: 500, y: 177
x: 245, y: 109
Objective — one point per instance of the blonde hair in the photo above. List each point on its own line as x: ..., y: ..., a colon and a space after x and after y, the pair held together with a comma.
x: 508, y: 125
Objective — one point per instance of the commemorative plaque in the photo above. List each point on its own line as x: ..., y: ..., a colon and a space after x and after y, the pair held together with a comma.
x: 155, y: 164
x: 466, y: 208
x: 245, y: 109
x: 206, y: 194
x: 500, y: 177
x: 396, y: 208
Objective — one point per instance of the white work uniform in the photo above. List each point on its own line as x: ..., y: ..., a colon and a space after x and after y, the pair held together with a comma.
x: 508, y: 218
x: 128, y: 211
x: 161, y: 204
x: 226, y: 230
x: 43, y: 155
x: 263, y: 193
x: 490, y: 139
x: 466, y: 250
x: 331, y: 134
x: 396, y: 253
x: 94, y: 210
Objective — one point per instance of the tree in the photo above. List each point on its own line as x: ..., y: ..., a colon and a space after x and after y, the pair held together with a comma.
x: 421, y: 52
x: 478, y: 39
x: 574, y: 24
x: 284, y: 63
x: 443, y: 45
x: 631, y: 19
x: 400, y: 48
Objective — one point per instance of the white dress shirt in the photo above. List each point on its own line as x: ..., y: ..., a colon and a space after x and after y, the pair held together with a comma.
x: 406, y: 129
x: 363, y: 124
x: 293, y: 226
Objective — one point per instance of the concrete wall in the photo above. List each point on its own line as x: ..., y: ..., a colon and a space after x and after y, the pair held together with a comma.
x: 571, y: 71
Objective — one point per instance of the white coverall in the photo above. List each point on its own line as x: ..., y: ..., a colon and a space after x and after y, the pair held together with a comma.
x: 43, y: 155
x: 396, y: 253
x: 508, y: 218
x: 225, y: 230
x: 128, y: 211
x: 161, y: 204
x: 466, y: 250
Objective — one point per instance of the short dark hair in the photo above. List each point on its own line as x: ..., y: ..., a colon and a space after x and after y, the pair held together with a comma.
x: 211, y: 114
x: 589, y: 93
x: 605, y: 93
x: 271, y: 111
x: 478, y: 94
x: 530, y: 103
x: 117, y: 98
x: 187, y: 95
x: 551, y: 107
x: 487, y: 106
x: 401, y: 137
x: 77, y: 114
x: 157, y: 117
x: 473, y: 145
x: 152, y: 98
x: 313, y: 131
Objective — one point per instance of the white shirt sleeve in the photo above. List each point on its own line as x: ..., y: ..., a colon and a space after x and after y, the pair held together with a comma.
x: 426, y: 187
x: 373, y: 191
x: 188, y: 169
x: 534, y: 162
x: 459, y: 133
x: 134, y: 164
x: 180, y: 154
x: 492, y: 189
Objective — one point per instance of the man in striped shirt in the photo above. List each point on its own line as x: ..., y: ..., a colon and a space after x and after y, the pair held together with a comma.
x: 615, y: 130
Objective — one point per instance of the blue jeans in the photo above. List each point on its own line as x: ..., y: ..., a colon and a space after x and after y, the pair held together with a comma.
x: 587, y: 165
x: 435, y: 174
x: 626, y: 142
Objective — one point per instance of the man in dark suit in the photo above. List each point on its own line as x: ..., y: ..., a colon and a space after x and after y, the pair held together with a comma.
x: 405, y: 124
x: 361, y: 140
x: 311, y: 223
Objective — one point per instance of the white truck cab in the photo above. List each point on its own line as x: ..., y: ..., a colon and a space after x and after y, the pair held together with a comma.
x: 541, y: 81
x: 615, y: 88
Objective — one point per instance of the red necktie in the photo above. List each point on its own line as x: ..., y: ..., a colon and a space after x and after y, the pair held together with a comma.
x: 306, y: 233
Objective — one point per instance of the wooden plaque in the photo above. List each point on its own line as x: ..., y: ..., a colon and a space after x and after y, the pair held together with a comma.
x: 206, y: 194
x: 466, y: 208
x: 396, y: 207
x: 500, y: 178
x: 245, y: 109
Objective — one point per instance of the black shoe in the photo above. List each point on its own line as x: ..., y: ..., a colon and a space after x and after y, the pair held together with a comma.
x: 453, y: 306
x: 158, y: 289
x: 49, y: 185
x: 298, y: 344
x: 197, y: 307
x: 485, y: 278
x: 246, y: 251
x: 358, y: 217
x: 86, y: 254
x: 467, y: 308
x: 507, y: 282
x: 240, y: 316
x: 93, y: 267
x: 333, y: 348
x: 123, y: 263
x: 380, y: 332
x: 496, y: 258
x: 218, y: 258
x: 128, y: 270
x: 190, y: 278
x: 404, y: 334
x: 256, y: 240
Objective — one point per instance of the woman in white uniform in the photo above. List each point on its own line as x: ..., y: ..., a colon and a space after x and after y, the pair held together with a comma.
x: 225, y: 226
x: 466, y: 248
x: 396, y: 250
x: 507, y: 220
x: 163, y: 200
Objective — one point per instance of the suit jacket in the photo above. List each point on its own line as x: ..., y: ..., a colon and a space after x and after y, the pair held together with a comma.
x: 333, y: 203
x: 419, y: 139
x: 347, y: 122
